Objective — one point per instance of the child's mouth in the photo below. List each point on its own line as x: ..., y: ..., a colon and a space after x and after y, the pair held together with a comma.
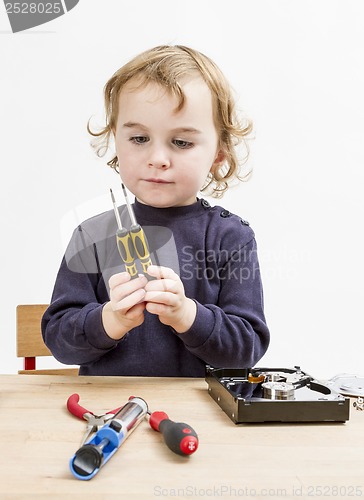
x: 156, y: 180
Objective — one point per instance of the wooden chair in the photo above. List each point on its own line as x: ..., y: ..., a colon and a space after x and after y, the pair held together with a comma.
x: 29, y: 340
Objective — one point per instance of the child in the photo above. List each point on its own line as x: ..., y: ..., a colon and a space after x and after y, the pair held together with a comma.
x: 171, y: 113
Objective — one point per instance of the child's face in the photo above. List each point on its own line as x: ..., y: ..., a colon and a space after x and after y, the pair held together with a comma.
x: 164, y: 156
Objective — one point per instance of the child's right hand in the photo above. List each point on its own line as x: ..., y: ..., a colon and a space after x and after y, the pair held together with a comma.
x: 126, y: 307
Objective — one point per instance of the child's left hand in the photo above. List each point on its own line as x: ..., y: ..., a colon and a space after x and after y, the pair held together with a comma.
x: 165, y: 296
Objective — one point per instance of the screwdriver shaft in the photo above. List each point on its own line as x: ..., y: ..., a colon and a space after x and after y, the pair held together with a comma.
x: 130, y: 208
x: 116, y: 211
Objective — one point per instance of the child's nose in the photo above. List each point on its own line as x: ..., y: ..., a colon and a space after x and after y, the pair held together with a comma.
x: 159, y: 158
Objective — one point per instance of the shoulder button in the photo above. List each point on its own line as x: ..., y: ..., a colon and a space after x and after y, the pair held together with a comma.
x: 205, y: 203
x: 225, y: 214
x: 244, y: 222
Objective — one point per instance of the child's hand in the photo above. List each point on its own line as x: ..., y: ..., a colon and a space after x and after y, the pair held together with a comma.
x: 165, y: 296
x: 126, y: 307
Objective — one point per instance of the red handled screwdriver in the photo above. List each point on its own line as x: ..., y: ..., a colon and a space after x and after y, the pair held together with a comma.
x: 178, y: 436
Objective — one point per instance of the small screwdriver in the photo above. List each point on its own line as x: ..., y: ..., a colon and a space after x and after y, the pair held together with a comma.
x: 178, y: 436
x: 124, y: 243
x: 138, y: 236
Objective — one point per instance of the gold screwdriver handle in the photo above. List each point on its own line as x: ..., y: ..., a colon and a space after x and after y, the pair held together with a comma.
x: 126, y: 251
x: 141, y: 246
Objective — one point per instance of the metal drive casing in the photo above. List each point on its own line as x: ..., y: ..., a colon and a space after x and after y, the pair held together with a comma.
x: 246, y: 402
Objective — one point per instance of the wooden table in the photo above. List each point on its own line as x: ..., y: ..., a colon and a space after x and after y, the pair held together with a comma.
x: 39, y: 436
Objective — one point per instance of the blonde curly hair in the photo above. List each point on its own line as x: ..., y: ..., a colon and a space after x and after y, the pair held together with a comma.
x: 168, y: 65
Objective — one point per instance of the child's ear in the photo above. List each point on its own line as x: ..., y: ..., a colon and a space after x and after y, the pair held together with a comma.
x: 219, y: 159
x: 221, y: 156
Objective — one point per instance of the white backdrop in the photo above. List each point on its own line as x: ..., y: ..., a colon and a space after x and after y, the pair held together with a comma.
x: 298, y: 69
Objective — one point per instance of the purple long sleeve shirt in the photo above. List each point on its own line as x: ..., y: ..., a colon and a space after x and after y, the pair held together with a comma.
x: 214, y: 253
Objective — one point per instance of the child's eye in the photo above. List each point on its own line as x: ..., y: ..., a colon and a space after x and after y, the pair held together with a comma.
x: 182, y: 144
x: 139, y: 139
